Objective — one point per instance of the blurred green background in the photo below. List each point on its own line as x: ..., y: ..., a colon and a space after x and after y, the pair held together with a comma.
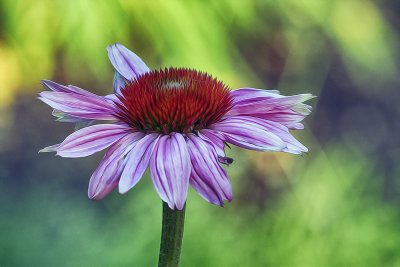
x: 338, y: 205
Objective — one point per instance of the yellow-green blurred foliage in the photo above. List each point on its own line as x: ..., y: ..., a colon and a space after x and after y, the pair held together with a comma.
x: 338, y: 205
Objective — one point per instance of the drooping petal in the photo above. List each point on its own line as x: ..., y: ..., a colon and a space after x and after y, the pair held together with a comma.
x: 137, y: 162
x: 208, y: 178
x: 288, y: 118
x: 287, y: 110
x: 92, y: 139
x: 245, y: 133
x: 215, y: 139
x: 170, y: 169
x: 89, y: 107
x: 107, y: 174
x: 292, y: 145
x: 127, y: 63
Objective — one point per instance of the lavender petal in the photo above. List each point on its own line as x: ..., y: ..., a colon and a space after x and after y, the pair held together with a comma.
x: 55, y: 87
x: 208, y: 178
x: 286, y: 110
x: 89, y: 107
x: 127, y: 63
x: 107, y: 174
x: 137, y: 162
x: 170, y: 169
x: 245, y: 133
x: 90, y: 140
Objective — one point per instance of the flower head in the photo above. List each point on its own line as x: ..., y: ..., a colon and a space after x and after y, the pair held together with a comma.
x: 175, y: 121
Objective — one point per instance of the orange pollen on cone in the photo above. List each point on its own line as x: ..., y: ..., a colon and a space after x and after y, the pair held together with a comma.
x: 173, y: 100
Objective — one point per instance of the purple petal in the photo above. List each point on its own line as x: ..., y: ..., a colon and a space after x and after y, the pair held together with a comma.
x: 215, y: 139
x: 243, y: 94
x: 52, y: 86
x: 127, y: 63
x: 137, y: 162
x: 288, y: 118
x: 269, y: 104
x: 92, y: 139
x: 89, y: 107
x: 112, y: 98
x: 292, y: 145
x: 170, y: 169
x: 287, y: 110
x: 64, y: 117
x: 208, y: 178
x: 246, y: 133
x: 107, y: 175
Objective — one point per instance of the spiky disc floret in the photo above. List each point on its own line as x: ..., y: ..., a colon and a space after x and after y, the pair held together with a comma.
x: 173, y: 100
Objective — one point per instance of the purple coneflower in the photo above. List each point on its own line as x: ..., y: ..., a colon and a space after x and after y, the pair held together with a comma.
x: 175, y: 121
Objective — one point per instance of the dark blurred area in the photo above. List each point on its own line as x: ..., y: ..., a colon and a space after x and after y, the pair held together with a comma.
x: 337, y: 205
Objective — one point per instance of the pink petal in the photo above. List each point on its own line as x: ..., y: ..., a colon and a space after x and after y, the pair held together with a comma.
x: 287, y: 110
x: 90, y: 107
x: 269, y: 104
x: 292, y: 145
x: 246, y: 133
x: 137, y: 162
x: 107, y: 175
x: 170, y: 169
x: 52, y: 86
x: 127, y: 63
x: 92, y: 139
x: 243, y: 94
x: 64, y: 117
x: 112, y: 98
x: 215, y: 139
x: 208, y: 178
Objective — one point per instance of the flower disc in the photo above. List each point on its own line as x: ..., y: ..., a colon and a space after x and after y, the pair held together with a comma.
x: 173, y: 100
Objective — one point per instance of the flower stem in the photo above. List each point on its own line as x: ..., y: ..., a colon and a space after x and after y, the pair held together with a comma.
x: 171, y: 236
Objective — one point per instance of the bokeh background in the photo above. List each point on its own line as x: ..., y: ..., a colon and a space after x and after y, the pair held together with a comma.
x: 338, y: 205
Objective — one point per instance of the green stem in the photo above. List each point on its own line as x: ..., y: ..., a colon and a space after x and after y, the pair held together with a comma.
x: 171, y: 236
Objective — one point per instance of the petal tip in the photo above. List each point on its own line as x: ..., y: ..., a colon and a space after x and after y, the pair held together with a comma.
x: 94, y: 197
x: 171, y: 205
x: 52, y: 148
x: 123, y: 188
x: 180, y: 205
